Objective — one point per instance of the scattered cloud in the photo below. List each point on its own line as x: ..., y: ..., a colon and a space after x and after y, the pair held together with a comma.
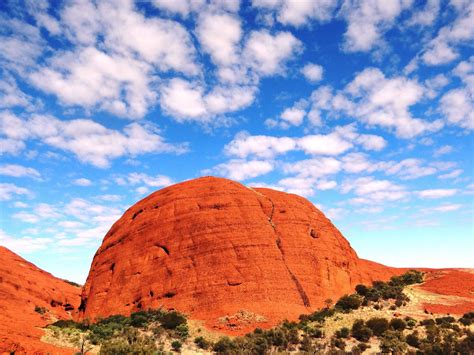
x: 19, y: 171
x: 88, y: 140
x: 239, y: 169
x: 9, y: 191
x: 82, y: 182
x: 436, y: 193
x: 312, y: 72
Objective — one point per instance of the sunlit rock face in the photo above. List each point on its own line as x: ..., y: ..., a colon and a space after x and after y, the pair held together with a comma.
x: 211, y: 247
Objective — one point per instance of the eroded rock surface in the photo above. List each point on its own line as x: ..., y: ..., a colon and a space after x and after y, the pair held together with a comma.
x: 31, y: 298
x: 212, y: 248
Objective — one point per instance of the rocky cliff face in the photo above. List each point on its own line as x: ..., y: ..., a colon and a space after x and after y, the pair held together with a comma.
x: 24, y: 288
x: 212, y: 247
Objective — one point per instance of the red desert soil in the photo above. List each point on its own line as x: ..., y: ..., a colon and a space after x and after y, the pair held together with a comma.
x: 229, y: 255
x: 455, y: 283
x: 23, y: 286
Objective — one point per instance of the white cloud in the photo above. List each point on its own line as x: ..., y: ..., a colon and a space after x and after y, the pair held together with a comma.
x: 436, y: 193
x: 334, y: 143
x: 88, y: 140
x: 457, y: 105
x: 443, y: 48
x: 409, y: 169
x: 445, y: 149
x: 24, y: 244
x: 182, y: 7
x: 266, y: 54
x: 26, y: 217
x: 386, y: 102
x: 315, y: 168
x: 154, y: 181
x: 446, y: 207
x: 82, y: 182
x: 11, y: 95
x: 8, y: 191
x: 293, y: 116
x: 312, y: 72
x: 220, y: 35
x: 298, y: 13
x: 244, y: 145
x: 18, y: 171
x: 368, y: 20
x: 238, y: 169
x: 452, y: 175
x: 369, y: 190
x: 118, y: 55
x: 185, y: 100
x: 330, y: 144
x: 427, y: 15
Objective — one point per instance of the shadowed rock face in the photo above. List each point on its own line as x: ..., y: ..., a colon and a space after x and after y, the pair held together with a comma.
x: 23, y: 287
x: 211, y: 247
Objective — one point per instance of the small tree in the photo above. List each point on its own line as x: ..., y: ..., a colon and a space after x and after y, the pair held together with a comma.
x: 349, y: 302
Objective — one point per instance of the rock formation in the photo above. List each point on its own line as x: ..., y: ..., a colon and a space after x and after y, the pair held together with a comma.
x: 214, y: 249
x: 30, y: 298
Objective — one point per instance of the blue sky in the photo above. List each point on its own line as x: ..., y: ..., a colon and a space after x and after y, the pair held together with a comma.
x: 364, y: 107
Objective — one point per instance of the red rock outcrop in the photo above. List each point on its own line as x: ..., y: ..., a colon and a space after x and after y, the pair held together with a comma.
x: 23, y: 287
x: 211, y: 247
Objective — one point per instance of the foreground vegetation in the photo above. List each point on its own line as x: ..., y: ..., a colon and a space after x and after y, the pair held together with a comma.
x: 159, y: 331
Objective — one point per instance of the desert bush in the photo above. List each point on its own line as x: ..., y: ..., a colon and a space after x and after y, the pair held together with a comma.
x: 412, y: 339
x: 360, y: 331
x: 445, y: 320
x: 398, y: 324
x: 224, y: 346
x: 467, y: 318
x: 349, y: 302
x: 378, y: 325
x: 343, y: 333
x: 393, y: 342
x: 171, y: 320
x: 320, y: 316
x: 362, y: 290
x: 176, y: 345
x: 202, y: 343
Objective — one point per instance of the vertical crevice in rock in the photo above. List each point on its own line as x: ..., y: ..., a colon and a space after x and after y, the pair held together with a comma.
x: 299, y: 287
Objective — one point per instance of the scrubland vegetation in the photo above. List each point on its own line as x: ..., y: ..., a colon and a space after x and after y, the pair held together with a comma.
x: 159, y: 331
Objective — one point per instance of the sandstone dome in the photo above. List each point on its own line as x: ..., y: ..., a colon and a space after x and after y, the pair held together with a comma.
x: 212, y: 247
x: 31, y: 298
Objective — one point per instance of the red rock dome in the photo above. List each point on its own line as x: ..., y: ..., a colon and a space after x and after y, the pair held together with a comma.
x: 31, y: 298
x: 212, y: 247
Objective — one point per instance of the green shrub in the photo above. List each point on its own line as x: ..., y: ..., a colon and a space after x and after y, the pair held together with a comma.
x: 360, y: 331
x: 378, y: 325
x: 320, y: 316
x: 224, y: 345
x: 445, y: 320
x: 427, y: 322
x: 362, y: 290
x: 176, y: 345
x: 202, y: 343
x: 339, y: 343
x: 182, y: 330
x: 171, y: 320
x: 467, y: 318
x: 393, y: 342
x: 398, y: 324
x: 343, y: 333
x: 349, y: 302
x: 413, y: 339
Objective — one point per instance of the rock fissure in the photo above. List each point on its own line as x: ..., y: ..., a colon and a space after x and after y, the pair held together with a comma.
x: 299, y: 287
